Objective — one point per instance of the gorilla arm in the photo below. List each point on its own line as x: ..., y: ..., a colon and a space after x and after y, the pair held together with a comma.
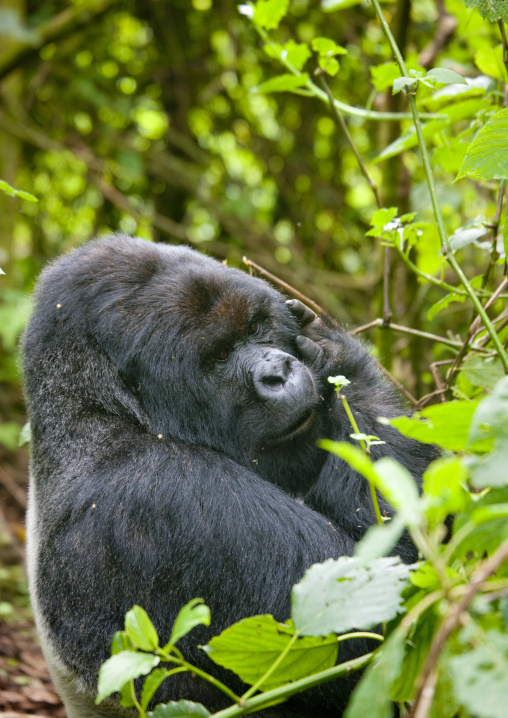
x: 156, y: 523
x: 340, y: 493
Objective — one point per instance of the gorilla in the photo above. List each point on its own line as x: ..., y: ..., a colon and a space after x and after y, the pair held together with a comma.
x: 175, y: 406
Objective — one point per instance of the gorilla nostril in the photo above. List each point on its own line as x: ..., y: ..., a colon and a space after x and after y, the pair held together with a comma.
x: 273, y: 382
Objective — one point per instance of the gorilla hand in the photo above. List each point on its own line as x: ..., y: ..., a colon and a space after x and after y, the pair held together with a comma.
x: 319, y: 344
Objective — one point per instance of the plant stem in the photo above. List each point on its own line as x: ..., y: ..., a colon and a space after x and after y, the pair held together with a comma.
x: 445, y: 243
x: 342, y: 106
x: 366, y: 451
x: 284, y: 692
x: 198, y: 672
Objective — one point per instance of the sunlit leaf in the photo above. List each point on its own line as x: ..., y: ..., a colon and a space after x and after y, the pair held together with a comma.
x: 487, y: 155
x: 284, y: 83
x: 490, y: 9
x: 140, y: 629
x: 180, y: 709
x: 192, y: 614
x: 445, y: 77
x: 269, y: 13
x: 121, y: 668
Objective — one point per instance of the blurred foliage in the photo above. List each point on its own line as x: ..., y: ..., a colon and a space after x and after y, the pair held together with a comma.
x: 145, y: 118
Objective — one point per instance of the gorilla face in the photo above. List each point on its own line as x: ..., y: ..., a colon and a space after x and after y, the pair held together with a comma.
x: 227, y: 374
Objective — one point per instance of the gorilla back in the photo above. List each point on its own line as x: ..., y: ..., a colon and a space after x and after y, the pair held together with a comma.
x: 175, y: 405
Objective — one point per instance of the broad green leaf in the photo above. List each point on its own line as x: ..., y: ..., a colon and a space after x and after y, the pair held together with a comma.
x: 192, y: 614
x: 443, y: 486
x: 182, y: 709
x: 490, y: 61
x: 283, y: 83
x: 152, y: 682
x: 379, y: 540
x: 483, y: 372
x: 250, y: 647
x: 120, y: 642
x: 140, y: 629
x: 372, y: 695
x: 446, y: 77
x: 491, y: 470
x: 491, y: 417
x: 415, y: 652
x: 480, y: 676
x: 446, y: 425
x: 487, y: 155
x: 484, y: 537
x: 397, y: 485
x: 269, y: 13
x: 444, y: 303
x: 342, y: 595
x: 353, y: 455
x: 383, y: 216
x: 121, y: 668
x: 490, y: 9
x: 400, y: 82
x: 329, y: 65
x: 469, y: 233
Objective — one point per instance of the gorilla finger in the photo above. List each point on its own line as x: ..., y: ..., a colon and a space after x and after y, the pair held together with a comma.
x: 303, y: 313
x: 309, y: 350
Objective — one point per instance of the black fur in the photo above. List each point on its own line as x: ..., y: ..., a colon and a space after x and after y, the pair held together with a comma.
x: 160, y: 467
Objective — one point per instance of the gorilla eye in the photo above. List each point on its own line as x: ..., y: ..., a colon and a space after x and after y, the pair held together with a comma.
x: 253, y: 329
x: 223, y: 355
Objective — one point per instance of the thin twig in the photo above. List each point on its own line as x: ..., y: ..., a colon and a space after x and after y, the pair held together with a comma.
x: 284, y: 285
x: 425, y: 694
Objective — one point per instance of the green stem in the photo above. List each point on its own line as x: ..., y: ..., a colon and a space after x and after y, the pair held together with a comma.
x: 342, y: 106
x: 263, y: 700
x: 135, y: 700
x: 428, y: 277
x: 445, y: 243
x: 198, y: 672
x: 366, y: 451
x: 360, y: 634
x: 272, y: 668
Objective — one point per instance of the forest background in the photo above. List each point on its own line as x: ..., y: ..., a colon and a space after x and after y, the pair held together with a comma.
x: 158, y: 119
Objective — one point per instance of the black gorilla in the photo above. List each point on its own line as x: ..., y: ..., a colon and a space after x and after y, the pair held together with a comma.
x: 175, y: 406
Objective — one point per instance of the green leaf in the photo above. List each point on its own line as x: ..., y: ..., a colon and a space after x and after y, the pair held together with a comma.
x: 490, y: 61
x: 379, y: 540
x: 397, y: 485
x: 372, y: 696
x: 341, y: 595
x: 487, y: 155
x: 469, y: 233
x: 491, y: 469
x: 250, y: 647
x: 483, y: 372
x: 283, y: 83
x: 269, y: 13
x: 444, y: 303
x: 140, y: 629
x: 121, y: 668
x: 182, y: 709
x: 443, y: 486
x: 415, y: 652
x: 152, y: 682
x: 120, y: 642
x: 491, y: 417
x: 446, y: 425
x: 192, y: 614
x: 446, y: 77
x: 353, y: 455
x: 383, y: 216
x: 490, y: 9
x: 327, y: 47
x: 329, y: 65
x: 400, y: 82
x: 26, y: 196
x: 25, y: 435
x: 480, y: 676
x: 296, y: 53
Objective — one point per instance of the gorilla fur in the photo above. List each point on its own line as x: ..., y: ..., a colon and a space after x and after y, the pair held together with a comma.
x: 175, y: 405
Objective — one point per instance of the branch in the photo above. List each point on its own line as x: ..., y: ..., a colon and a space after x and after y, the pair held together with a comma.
x: 425, y: 694
x: 66, y: 22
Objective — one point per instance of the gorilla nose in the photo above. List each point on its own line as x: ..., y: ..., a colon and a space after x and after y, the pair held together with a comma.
x: 271, y: 375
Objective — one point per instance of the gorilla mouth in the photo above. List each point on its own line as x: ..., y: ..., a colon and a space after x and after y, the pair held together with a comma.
x: 300, y: 427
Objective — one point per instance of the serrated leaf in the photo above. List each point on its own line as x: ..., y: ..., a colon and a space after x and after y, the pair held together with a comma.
x: 446, y: 77
x: 480, y: 676
x: 269, y: 13
x: 283, y: 83
x: 192, y: 614
x: 121, y: 668
x: 491, y: 417
x: 444, y: 303
x: 487, y: 155
x: 372, y: 696
x: 250, y: 647
x: 342, y: 595
x: 446, y: 425
x: 180, y: 709
x: 490, y: 9
x: 152, y: 682
x: 483, y: 372
x: 140, y: 629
